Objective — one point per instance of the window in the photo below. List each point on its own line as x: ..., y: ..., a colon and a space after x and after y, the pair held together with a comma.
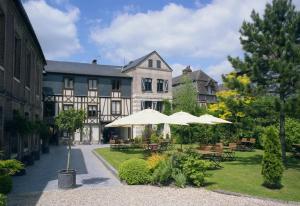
x: 38, y: 79
x: 68, y: 82
x: 159, y: 106
x: 116, y: 85
x: 17, y: 59
x: 49, y: 109
x: 2, y: 37
x: 116, y: 107
x: 150, y: 63
x: 148, y: 104
x: 160, y: 85
x: 158, y: 64
x: 28, y: 69
x: 147, y: 84
x: 92, y: 111
x: 68, y: 107
x: 92, y: 84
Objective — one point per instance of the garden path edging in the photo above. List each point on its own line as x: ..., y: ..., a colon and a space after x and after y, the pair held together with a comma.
x: 107, y: 165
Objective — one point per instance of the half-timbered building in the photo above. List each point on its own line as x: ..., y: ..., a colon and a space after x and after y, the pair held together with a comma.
x: 103, y: 91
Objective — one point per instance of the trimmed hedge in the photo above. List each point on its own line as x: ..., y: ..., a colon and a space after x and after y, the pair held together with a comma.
x: 134, y: 172
x: 5, y: 184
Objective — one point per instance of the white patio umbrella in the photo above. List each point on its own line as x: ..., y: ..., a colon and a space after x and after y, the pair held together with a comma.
x: 145, y: 117
x: 188, y: 118
x: 212, y: 119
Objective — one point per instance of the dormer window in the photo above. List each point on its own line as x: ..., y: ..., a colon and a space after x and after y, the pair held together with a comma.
x: 92, y: 84
x: 158, y: 64
x: 150, y: 63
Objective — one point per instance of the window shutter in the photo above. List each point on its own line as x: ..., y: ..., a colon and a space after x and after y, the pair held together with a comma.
x: 143, y: 84
x: 166, y: 85
x: 142, y: 105
x: 154, y: 105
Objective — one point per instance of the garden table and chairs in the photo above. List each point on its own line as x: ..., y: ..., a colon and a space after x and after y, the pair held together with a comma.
x: 246, y: 144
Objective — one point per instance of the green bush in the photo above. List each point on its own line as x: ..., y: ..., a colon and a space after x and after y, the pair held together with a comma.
x: 154, y: 138
x: 134, y: 171
x: 292, y: 131
x: 272, y: 167
x: 5, y: 184
x: 162, y: 175
x: 2, y: 200
x: 10, y: 166
x: 195, y: 170
x: 179, y: 178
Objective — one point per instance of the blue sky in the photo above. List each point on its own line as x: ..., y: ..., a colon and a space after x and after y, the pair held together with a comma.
x: 200, y: 33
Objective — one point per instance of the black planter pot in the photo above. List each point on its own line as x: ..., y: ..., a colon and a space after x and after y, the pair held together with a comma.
x: 36, y: 155
x: 28, y: 160
x: 66, y: 179
x: 45, y: 149
x: 20, y: 173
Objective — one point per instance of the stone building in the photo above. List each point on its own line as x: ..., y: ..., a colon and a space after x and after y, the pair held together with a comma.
x: 205, y: 85
x: 21, y: 68
x: 151, y: 77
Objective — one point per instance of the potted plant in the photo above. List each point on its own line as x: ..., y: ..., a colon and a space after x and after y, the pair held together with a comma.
x: 42, y: 130
x: 7, y: 169
x: 69, y: 121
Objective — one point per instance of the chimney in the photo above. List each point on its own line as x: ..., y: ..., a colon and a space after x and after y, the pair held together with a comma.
x: 187, y: 70
x: 94, y: 61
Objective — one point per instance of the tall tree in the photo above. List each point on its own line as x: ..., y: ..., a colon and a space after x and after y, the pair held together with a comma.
x: 272, y: 55
x: 185, y: 97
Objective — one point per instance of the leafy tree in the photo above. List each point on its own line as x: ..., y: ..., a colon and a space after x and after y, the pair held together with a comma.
x: 272, y: 55
x: 69, y: 121
x: 185, y: 97
x: 272, y: 167
x: 167, y: 107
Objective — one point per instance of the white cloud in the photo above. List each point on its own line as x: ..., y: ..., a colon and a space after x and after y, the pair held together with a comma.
x: 55, y: 29
x: 210, y: 31
x: 177, y: 69
x: 216, y: 71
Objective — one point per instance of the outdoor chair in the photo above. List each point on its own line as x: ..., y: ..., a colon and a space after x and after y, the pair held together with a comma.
x: 163, y: 146
x: 230, y: 151
x: 252, y: 143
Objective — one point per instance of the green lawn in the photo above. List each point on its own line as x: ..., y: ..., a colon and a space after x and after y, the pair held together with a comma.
x: 242, y: 175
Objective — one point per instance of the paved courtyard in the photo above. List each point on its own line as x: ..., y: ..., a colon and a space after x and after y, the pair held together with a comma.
x: 42, y: 176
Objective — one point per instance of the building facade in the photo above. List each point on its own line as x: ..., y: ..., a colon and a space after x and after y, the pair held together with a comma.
x: 151, y: 77
x: 106, y: 93
x: 205, y: 85
x: 103, y: 91
x: 21, y: 67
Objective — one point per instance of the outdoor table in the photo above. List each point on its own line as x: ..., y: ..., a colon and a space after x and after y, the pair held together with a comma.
x: 214, y: 157
x: 229, y: 153
x: 153, y: 147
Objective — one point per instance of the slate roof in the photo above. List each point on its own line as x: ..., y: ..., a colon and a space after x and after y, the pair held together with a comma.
x: 136, y: 62
x: 84, y: 69
x: 21, y: 9
x: 202, y: 79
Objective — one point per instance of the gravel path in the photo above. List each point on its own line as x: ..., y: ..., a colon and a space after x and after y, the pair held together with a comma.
x: 42, y: 176
x: 133, y: 196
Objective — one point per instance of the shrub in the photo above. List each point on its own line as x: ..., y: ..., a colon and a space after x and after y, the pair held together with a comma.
x: 134, y: 171
x: 179, y: 177
x: 2, y: 200
x: 162, y: 175
x: 154, y: 138
x: 5, y: 184
x: 10, y: 166
x: 195, y: 170
x: 292, y: 130
x: 272, y: 167
x: 154, y: 160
